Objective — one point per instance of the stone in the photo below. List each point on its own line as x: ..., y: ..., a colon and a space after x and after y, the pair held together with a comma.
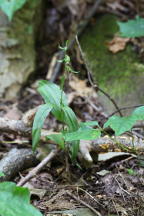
x: 121, y: 74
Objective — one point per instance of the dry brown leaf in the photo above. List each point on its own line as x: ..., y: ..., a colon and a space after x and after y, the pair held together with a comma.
x: 117, y: 44
x: 81, y: 88
x: 13, y: 113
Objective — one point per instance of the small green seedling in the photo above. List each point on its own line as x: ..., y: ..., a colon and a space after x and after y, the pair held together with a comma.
x: 131, y: 172
x: 56, y: 103
x: 66, y: 60
x: 73, y: 131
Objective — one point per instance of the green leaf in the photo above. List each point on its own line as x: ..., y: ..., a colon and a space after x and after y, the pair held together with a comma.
x: 120, y: 124
x: 131, y: 172
x: 69, y: 118
x: 2, y: 174
x: 85, y: 134
x: 39, y: 119
x: 57, y: 138
x: 67, y: 59
x: 74, y: 148
x: 132, y: 28
x: 9, y: 7
x: 89, y: 123
x: 52, y: 94
x: 15, y: 201
x: 138, y: 113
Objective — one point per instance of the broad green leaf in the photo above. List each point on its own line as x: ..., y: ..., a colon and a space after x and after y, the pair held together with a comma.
x: 132, y: 28
x: 120, y: 124
x: 15, y: 201
x: 39, y: 119
x: 52, y: 94
x: 138, y: 113
x: 89, y: 123
x: 57, y: 138
x: 9, y: 7
x: 2, y: 174
x: 87, y: 134
x: 57, y: 112
x: 70, y: 119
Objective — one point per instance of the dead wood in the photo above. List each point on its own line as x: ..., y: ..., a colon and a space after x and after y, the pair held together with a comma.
x: 43, y: 163
x: 105, y: 144
x: 99, y: 145
x: 14, y: 126
x: 21, y: 127
x: 15, y: 161
x: 84, y: 203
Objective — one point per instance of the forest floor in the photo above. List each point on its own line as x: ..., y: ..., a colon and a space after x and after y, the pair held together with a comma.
x: 111, y: 187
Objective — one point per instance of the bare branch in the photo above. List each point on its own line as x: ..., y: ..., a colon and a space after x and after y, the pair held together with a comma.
x: 33, y: 172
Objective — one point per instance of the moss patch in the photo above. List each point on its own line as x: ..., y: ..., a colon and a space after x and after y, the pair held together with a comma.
x: 115, y: 73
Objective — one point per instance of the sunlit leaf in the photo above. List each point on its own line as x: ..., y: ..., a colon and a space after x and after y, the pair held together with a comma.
x: 132, y: 28
x: 15, y: 201
x: 70, y: 118
x: 52, y: 94
x: 120, y: 124
x: 39, y: 119
x: 89, y: 123
x: 138, y: 113
x: 58, y: 139
x: 87, y: 134
x: 9, y: 7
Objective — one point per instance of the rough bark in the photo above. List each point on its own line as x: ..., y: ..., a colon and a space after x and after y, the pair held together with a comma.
x: 15, y: 161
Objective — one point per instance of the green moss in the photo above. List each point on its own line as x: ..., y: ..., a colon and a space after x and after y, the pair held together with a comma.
x: 115, y: 73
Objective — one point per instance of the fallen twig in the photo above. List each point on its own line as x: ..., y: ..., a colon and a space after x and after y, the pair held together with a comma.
x: 22, y: 128
x: 84, y: 203
x: 91, y: 82
x: 78, y: 188
x: 85, y: 146
x: 14, y: 126
x: 124, y: 108
x: 33, y: 172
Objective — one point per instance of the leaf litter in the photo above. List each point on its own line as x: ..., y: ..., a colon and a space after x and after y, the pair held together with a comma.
x: 117, y: 192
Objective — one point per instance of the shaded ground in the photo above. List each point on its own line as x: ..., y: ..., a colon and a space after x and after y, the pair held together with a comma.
x: 116, y: 191
x: 114, y: 187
